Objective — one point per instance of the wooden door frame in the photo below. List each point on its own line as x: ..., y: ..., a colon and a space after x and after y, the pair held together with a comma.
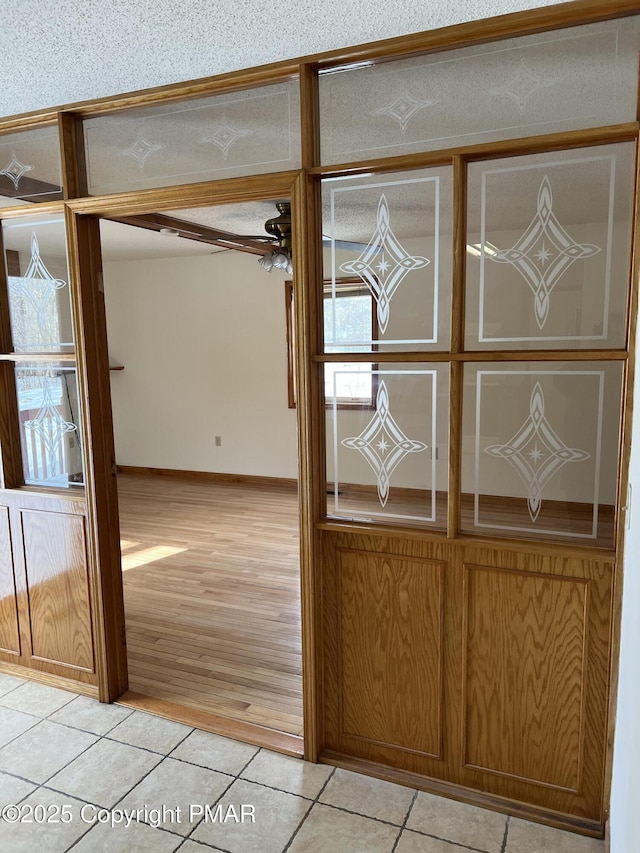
x: 83, y: 219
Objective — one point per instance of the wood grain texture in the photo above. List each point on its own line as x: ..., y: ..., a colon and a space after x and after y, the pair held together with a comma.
x: 391, y: 647
x: 208, y: 722
x: 9, y: 628
x: 56, y: 568
x: 212, y: 601
x: 524, y: 676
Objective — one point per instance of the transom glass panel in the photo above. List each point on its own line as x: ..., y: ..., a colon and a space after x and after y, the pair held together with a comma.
x: 30, y: 166
x: 390, y: 462
x: 548, y: 249
x: 240, y: 133
x: 393, y: 234
x: 540, y: 450
x: 566, y: 79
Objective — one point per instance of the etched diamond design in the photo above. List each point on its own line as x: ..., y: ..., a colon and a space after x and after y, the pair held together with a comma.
x: 36, y: 291
x: 403, y: 109
x: 226, y: 135
x: 383, y: 264
x: 141, y: 150
x: 536, y: 452
x: 383, y: 444
x: 523, y: 86
x: 14, y: 170
x: 51, y: 428
x: 544, y: 253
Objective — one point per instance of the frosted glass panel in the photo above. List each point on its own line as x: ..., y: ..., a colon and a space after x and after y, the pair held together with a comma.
x: 562, y: 80
x: 30, y: 166
x: 390, y: 462
x: 50, y: 425
x: 241, y: 133
x: 548, y: 249
x: 38, y: 284
x: 540, y: 450
x: 392, y: 234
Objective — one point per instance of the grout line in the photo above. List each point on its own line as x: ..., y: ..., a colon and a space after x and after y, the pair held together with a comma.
x: 308, y: 812
x: 506, y: 835
x: 404, y: 822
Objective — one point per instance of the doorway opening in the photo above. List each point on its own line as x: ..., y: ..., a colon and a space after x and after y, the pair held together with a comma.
x: 207, y: 456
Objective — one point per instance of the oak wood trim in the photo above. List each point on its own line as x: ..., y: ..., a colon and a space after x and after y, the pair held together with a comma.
x: 37, y: 356
x: 226, y: 191
x: 480, y: 355
x: 309, y: 117
x: 213, y: 476
x: 541, y: 143
x: 72, y: 156
x: 82, y: 688
x: 105, y: 578
x: 456, y: 380
x: 11, y: 473
x: 452, y: 791
x: 532, y: 21
x: 582, y: 552
x: 307, y: 281
x: 238, y: 730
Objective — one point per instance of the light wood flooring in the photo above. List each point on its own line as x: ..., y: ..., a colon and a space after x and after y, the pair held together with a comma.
x: 212, y: 596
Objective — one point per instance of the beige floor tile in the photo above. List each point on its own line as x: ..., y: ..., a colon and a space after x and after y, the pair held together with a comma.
x: 14, y: 723
x: 176, y: 784
x: 106, y: 772
x: 413, y: 842
x: 150, y: 732
x: 37, y: 699
x: 37, y: 837
x: 90, y: 715
x: 329, y: 830
x: 459, y: 822
x: 194, y: 847
x: 8, y: 682
x: 136, y: 838
x: 215, y: 752
x: 13, y: 790
x: 43, y: 750
x: 277, y: 816
x: 368, y: 796
x: 525, y: 837
x: 287, y: 774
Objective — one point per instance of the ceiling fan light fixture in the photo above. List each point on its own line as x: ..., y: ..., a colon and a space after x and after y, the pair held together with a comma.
x: 279, y: 259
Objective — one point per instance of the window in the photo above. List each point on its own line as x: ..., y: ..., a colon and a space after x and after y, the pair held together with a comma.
x: 355, y: 318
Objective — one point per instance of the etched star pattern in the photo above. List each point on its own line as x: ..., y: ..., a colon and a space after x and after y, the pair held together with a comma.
x: 403, y: 109
x: 36, y: 289
x: 226, y: 135
x: 523, y: 86
x: 384, y: 273
x: 383, y: 444
x: 536, y: 452
x: 14, y: 170
x: 50, y: 427
x: 541, y: 267
x: 141, y: 150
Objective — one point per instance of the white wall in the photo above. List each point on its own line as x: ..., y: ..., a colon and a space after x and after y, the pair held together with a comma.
x: 625, y: 814
x: 203, y: 341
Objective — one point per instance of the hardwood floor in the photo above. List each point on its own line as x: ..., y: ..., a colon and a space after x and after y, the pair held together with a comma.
x: 212, y: 596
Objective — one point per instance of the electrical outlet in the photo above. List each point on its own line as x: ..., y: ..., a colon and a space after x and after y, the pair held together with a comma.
x: 218, y: 441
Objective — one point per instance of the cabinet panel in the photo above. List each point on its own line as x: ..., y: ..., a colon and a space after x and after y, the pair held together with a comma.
x: 56, y: 569
x: 9, y: 632
x: 390, y: 671
x: 525, y: 674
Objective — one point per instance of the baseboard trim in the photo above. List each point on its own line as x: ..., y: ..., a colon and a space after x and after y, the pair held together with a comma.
x: 213, y: 476
x: 50, y: 680
x: 236, y: 729
x: 537, y: 814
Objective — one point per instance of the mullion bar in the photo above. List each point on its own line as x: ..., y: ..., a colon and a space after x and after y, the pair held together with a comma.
x: 11, y: 475
x: 476, y: 355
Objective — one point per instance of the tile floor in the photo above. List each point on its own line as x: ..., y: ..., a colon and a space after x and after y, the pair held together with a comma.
x: 77, y: 770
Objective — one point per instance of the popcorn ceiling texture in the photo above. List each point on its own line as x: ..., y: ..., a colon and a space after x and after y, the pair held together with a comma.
x: 56, y: 52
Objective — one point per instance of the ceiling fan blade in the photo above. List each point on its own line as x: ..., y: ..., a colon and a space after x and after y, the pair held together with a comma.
x: 349, y: 245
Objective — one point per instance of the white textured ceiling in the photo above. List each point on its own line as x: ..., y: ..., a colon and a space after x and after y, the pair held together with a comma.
x: 56, y: 52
